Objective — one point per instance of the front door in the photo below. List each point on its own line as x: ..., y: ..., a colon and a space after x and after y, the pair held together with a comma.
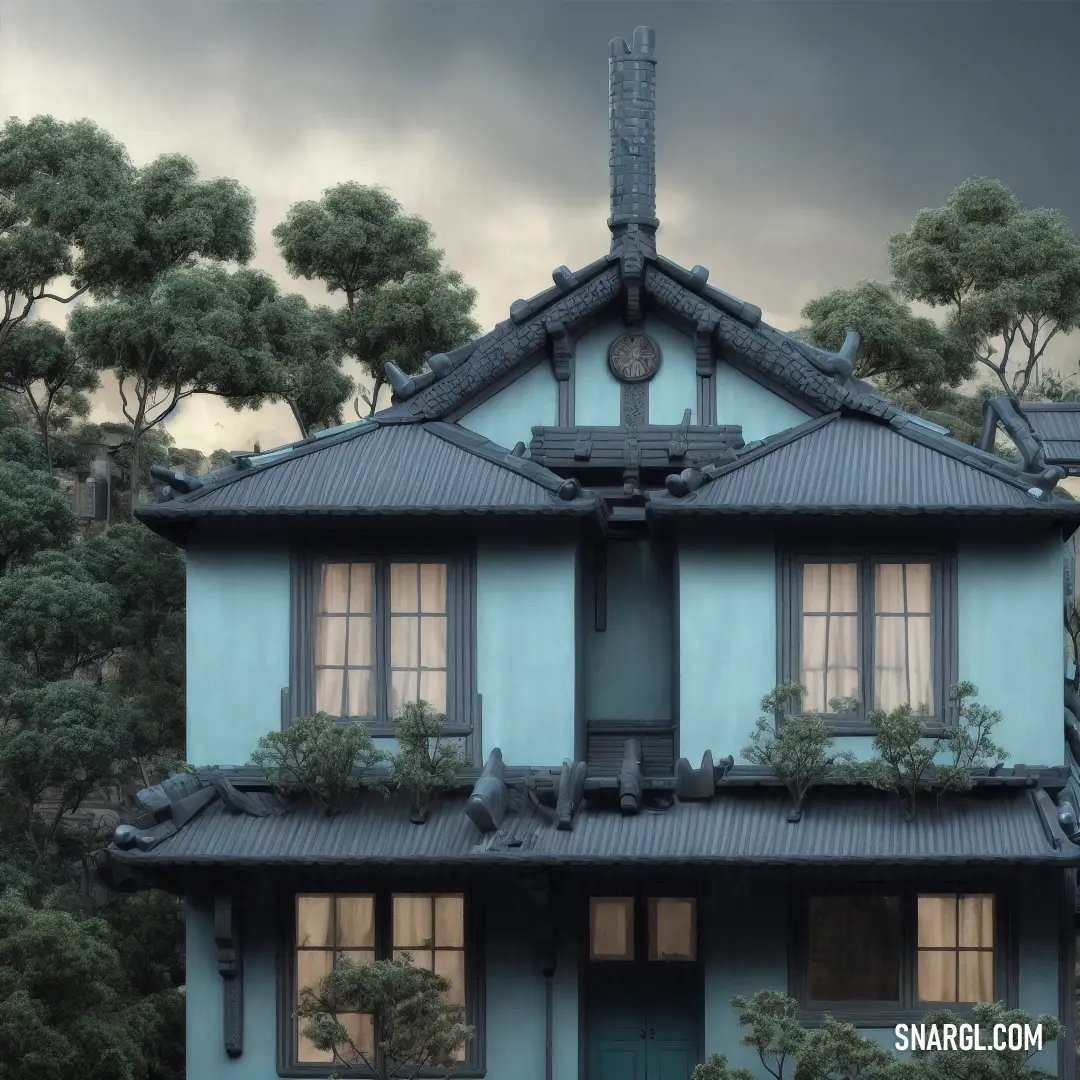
x: 644, y: 1000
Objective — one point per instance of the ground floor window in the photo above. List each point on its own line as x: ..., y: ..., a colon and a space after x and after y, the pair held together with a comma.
x: 887, y: 949
x: 669, y: 929
x: 328, y: 928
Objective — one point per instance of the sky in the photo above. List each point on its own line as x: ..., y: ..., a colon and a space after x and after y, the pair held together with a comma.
x: 793, y: 138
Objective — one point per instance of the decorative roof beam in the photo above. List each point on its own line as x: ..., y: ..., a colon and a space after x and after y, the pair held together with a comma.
x: 176, y: 479
x: 696, y: 281
x: 697, y: 784
x: 561, y: 349
x: 630, y: 777
x: 231, y: 969
x: 569, y: 792
x: 487, y: 804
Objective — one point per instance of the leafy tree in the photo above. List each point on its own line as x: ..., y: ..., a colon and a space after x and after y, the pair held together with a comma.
x: 1008, y: 276
x: 319, y: 758
x: 426, y: 762
x: 797, y: 746
x: 898, y: 349
x: 357, y: 241
x: 837, y: 1051
x: 38, y: 362
x: 34, y: 514
x: 194, y: 332
x: 772, y: 1029
x: 716, y: 1067
x: 65, y: 742
x: 219, y: 459
x: 415, y: 1026
x: 72, y: 205
x: 906, y: 761
x: 62, y: 998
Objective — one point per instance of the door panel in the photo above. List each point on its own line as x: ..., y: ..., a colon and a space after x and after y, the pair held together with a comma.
x: 670, y: 1061
x: 619, y: 1060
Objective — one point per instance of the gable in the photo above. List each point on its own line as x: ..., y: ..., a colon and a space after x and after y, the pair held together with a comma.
x: 508, y: 417
x: 760, y: 412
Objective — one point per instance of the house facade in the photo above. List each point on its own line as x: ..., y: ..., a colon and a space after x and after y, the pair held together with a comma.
x: 594, y: 539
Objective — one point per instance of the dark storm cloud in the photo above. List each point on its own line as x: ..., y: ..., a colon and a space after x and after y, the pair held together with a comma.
x: 794, y: 138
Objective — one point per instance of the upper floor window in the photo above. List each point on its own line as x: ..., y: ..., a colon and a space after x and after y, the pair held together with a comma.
x: 870, y: 629
x: 374, y: 633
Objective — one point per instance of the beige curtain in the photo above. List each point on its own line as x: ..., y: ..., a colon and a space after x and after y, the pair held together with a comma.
x: 829, y: 665
x: 903, y: 668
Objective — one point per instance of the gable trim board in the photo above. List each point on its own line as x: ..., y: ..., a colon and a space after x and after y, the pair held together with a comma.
x: 846, y: 463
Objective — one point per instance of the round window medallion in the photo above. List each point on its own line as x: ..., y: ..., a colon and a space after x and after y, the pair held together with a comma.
x: 634, y: 357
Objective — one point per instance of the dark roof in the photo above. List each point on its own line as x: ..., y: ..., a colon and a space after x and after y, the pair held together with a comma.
x: 750, y: 826
x: 371, y: 468
x: 1045, y: 432
x: 852, y: 464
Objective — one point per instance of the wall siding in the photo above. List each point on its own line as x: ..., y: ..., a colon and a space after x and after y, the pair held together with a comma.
x: 727, y: 644
x: 526, y: 611
x: 741, y: 400
x: 1011, y: 645
x: 509, y: 416
x: 237, y: 651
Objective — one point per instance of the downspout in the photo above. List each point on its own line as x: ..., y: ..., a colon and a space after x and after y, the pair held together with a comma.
x: 549, y: 1018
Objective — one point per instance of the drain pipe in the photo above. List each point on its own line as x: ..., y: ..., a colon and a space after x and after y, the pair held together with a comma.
x: 549, y: 1019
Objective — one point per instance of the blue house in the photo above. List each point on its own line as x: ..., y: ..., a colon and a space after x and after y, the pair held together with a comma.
x: 594, y: 538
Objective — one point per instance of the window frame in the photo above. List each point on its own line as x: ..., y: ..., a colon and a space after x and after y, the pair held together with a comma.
x: 641, y: 925
x: 908, y: 1009
x: 462, y: 700
x: 943, y: 623
x: 475, y: 1063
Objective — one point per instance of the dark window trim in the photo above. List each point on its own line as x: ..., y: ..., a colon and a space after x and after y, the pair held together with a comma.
x: 474, y: 1066
x: 462, y: 701
x: 907, y: 1010
x: 944, y: 643
x: 641, y: 894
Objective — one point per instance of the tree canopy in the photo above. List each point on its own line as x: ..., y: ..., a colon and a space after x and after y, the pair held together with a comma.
x: 401, y: 304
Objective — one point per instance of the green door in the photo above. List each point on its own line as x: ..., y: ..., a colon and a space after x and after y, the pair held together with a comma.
x: 671, y: 1046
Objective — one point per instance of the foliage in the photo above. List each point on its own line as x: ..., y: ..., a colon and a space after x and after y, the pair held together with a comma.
x: 988, y: 1063
x: 400, y: 305
x: 38, y: 362
x: 772, y: 1029
x: 63, y: 1008
x: 795, y: 745
x: 34, y: 514
x: 426, y: 763
x: 404, y: 323
x: 899, y: 350
x: 836, y: 1051
x: 906, y: 761
x: 716, y: 1067
x: 319, y: 757
x: 417, y: 1027
x: 1008, y: 276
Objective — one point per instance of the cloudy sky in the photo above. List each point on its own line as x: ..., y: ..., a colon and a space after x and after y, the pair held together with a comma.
x: 793, y: 137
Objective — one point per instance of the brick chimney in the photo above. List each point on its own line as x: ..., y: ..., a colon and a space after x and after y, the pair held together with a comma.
x: 632, y: 128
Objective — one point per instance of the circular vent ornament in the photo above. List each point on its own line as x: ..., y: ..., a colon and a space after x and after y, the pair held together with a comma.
x: 634, y: 357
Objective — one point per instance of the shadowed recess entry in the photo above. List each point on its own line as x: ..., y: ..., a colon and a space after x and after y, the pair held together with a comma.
x: 644, y: 1002
x: 629, y: 654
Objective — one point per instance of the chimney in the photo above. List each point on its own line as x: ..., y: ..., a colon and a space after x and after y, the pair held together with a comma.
x: 632, y: 128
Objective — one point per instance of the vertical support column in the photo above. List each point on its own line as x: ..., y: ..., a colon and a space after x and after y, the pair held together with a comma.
x: 705, y: 354
x: 561, y: 349
x: 230, y: 967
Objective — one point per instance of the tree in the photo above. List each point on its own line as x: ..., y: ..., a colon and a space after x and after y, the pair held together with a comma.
x: 195, y: 331
x: 898, y: 350
x: 406, y: 322
x: 37, y: 362
x: 426, y: 762
x: 1008, y: 276
x: 72, y: 205
x: 415, y: 1026
x: 357, y: 241
x: 61, y: 1009
x: 34, y: 514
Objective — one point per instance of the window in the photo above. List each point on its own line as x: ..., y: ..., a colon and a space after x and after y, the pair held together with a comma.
x: 868, y: 627
x: 955, y: 948
x: 375, y: 633
x: 672, y: 928
x: 431, y: 928
x: 872, y: 954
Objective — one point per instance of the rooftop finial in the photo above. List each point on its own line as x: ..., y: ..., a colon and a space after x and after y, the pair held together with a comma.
x: 632, y: 130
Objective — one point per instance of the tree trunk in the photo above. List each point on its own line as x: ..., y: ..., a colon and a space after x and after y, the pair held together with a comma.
x: 373, y: 404
x: 299, y: 420
x: 134, y: 485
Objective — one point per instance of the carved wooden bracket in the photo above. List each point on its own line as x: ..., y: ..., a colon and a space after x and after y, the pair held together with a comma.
x: 231, y: 969
x: 561, y: 346
x: 704, y: 349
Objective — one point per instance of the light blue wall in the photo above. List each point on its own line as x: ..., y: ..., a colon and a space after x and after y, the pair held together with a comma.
x: 671, y: 390
x: 206, y: 1057
x: 516, y: 1019
x: 510, y: 415
x: 237, y: 651
x: 1040, y: 948
x: 727, y: 644
x: 525, y: 615
x: 1010, y: 635
x: 740, y: 400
